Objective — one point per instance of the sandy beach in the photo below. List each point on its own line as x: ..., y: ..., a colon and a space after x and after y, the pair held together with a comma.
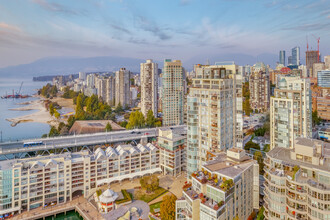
x: 42, y: 116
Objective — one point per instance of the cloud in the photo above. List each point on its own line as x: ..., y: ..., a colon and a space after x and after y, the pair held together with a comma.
x: 9, y: 27
x: 55, y: 7
x: 309, y: 27
x: 120, y: 28
x: 185, y: 2
x: 149, y: 26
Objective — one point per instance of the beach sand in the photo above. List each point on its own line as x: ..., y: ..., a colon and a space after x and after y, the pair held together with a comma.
x: 42, y: 116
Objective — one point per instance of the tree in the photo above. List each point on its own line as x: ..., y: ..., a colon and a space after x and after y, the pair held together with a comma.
x: 250, y: 145
x: 149, y: 183
x: 316, y: 120
x: 108, y: 127
x: 53, y: 91
x: 64, y: 130
x: 51, y: 109
x: 266, y: 147
x: 119, y: 108
x: 123, y: 124
x: 80, y: 102
x: 259, y: 158
x: 57, y: 114
x: 150, y: 120
x: 167, y: 207
x: 71, y: 121
x: 53, y: 132
x: 92, y: 103
x: 136, y: 120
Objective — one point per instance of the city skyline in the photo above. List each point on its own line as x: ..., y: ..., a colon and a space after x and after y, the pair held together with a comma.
x: 183, y: 29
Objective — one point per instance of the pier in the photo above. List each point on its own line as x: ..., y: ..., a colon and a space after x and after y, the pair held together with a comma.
x: 80, y: 205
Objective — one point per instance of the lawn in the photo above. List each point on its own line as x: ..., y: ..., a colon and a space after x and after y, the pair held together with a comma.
x: 148, y: 197
x: 155, y: 206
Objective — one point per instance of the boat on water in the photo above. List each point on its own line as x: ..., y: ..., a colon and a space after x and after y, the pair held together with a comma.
x: 17, y: 95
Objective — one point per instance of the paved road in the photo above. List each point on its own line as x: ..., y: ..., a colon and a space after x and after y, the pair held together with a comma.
x: 80, y: 140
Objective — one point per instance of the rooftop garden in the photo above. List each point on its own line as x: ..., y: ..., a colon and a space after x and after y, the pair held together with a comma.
x: 213, y: 180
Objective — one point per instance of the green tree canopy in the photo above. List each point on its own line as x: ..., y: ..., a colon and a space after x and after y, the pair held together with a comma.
x: 167, y: 207
x: 108, y: 127
x: 119, y: 108
x: 51, y: 109
x: 92, y: 103
x: 150, y: 120
x: 315, y: 118
x: 136, y: 120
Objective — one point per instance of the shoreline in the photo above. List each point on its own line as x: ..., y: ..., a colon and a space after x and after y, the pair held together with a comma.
x: 41, y: 116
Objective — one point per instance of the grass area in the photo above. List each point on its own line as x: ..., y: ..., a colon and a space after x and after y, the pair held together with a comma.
x: 127, y: 197
x: 155, y: 206
x: 148, y: 197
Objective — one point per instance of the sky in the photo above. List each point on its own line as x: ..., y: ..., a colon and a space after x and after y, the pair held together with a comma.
x: 181, y: 29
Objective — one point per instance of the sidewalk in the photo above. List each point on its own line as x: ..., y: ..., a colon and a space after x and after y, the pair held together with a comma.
x: 79, y: 203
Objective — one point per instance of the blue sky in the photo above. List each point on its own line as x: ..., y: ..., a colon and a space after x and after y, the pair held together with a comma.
x: 182, y: 29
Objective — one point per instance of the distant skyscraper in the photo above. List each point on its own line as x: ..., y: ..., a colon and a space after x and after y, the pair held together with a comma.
x: 282, y: 57
x: 290, y: 112
x: 82, y: 75
x: 173, y: 93
x: 123, y: 92
x: 296, y: 56
x: 149, y: 87
x: 290, y: 61
x: 110, y: 93
x: 311, y: 58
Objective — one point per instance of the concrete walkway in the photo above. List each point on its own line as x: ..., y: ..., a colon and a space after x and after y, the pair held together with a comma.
x: 81, y: 203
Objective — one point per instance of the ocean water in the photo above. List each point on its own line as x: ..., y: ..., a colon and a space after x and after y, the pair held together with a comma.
x: 22, y: 130
x: 71, y: 215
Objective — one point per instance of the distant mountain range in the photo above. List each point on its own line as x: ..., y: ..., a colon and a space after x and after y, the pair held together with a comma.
x: 73, y: 65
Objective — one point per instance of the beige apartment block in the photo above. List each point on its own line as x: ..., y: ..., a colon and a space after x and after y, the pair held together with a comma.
x: 172, y: 93
x: 225, y: 188
x: 149, y: 87
x: 42, y: 181
x: 297, y: 182
x: 259, y: 91
x: 173, y: 151
x: 123, y: 94
x: 212, y: 117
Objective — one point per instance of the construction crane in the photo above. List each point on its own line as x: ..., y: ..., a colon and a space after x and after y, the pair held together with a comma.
x: 19, y: 91
x: 307, y: 41
x: 318, y: 47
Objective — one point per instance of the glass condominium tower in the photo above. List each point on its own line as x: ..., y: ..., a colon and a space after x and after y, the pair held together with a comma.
x: 172, y: 93
x: 282, y: 57
x: 290, y: 112
x: 211, y: 114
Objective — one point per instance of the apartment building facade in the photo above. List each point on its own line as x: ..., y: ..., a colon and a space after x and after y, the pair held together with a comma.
x: 123, y: 94
x: 173, y: 93
x: 259, y: 91
x: 35, y: 182
x: 173, y: 151
x: 290, y: 112
x: 297, y: 181
x: 149, y: 87
x: 211, y: 114
x: 226, y: 187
